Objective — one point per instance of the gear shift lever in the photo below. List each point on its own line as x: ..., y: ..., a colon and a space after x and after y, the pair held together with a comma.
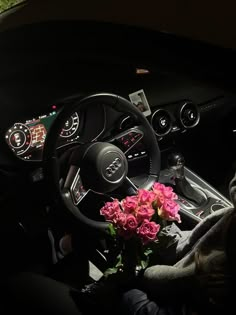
x: 176, y: 164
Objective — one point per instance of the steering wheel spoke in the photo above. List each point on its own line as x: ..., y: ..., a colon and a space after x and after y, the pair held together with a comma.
x: 73, y: 184
x: 129, y: 187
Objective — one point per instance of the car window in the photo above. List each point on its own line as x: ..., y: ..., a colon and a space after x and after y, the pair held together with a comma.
x: 7, y: 4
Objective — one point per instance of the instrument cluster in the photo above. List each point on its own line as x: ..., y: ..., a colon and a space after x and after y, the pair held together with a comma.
x: 26, y: 139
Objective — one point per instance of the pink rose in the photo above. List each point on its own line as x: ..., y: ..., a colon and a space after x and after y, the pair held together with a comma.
x: 148, y: 231
x: 145, y: 196
x: 110, y: 209
x: 159, y: 199
x: 169, y: 211
x: 167, y: 191
x: 144, y: 212
x: 120, y: 219
x: 158, y: 187
x: 131, y: 223
x: 129, y: 204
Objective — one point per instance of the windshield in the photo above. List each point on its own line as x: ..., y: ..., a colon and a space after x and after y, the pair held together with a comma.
x: 7, y: 4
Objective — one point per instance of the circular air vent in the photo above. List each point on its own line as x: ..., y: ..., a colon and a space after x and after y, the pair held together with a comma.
x: 161, y: 122
x: 189, y: 115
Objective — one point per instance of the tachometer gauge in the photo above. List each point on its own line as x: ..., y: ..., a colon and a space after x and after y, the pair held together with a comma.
x: 19, y: 138
x: 71, y: 126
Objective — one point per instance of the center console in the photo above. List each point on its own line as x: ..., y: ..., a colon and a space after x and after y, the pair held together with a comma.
x: 196, y: 197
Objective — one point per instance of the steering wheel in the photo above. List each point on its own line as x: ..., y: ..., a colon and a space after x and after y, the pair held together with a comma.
x: 100, y: 166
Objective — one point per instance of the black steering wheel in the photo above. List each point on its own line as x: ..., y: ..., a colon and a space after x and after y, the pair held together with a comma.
x: 100, y: 166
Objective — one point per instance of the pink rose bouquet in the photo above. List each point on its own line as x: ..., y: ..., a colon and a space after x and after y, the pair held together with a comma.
x: 137, y: 221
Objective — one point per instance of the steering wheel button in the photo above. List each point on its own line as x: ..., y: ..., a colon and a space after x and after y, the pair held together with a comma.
x: 127, y: 143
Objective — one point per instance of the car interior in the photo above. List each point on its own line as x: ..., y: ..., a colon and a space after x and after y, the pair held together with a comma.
x: 69, y: 91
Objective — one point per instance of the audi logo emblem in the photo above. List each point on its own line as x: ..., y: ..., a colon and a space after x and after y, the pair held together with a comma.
x: 113, y: 167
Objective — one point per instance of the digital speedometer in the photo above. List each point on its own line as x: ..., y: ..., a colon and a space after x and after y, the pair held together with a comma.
x: 26, y: 139
x: 19, y: 138
x: 71, y: 126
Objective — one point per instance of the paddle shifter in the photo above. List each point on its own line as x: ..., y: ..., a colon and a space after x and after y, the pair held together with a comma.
x: 182, y: 186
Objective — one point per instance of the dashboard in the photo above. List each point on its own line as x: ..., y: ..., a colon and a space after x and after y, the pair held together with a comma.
x: 173, y: 121
x: 26, y: 137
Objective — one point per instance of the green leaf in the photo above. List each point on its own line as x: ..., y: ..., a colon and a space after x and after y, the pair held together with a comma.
x: 112, y: 230
x: 144, y: 263
x: 119, y: 262
x: 148, y: 252
x: 110, y: 271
